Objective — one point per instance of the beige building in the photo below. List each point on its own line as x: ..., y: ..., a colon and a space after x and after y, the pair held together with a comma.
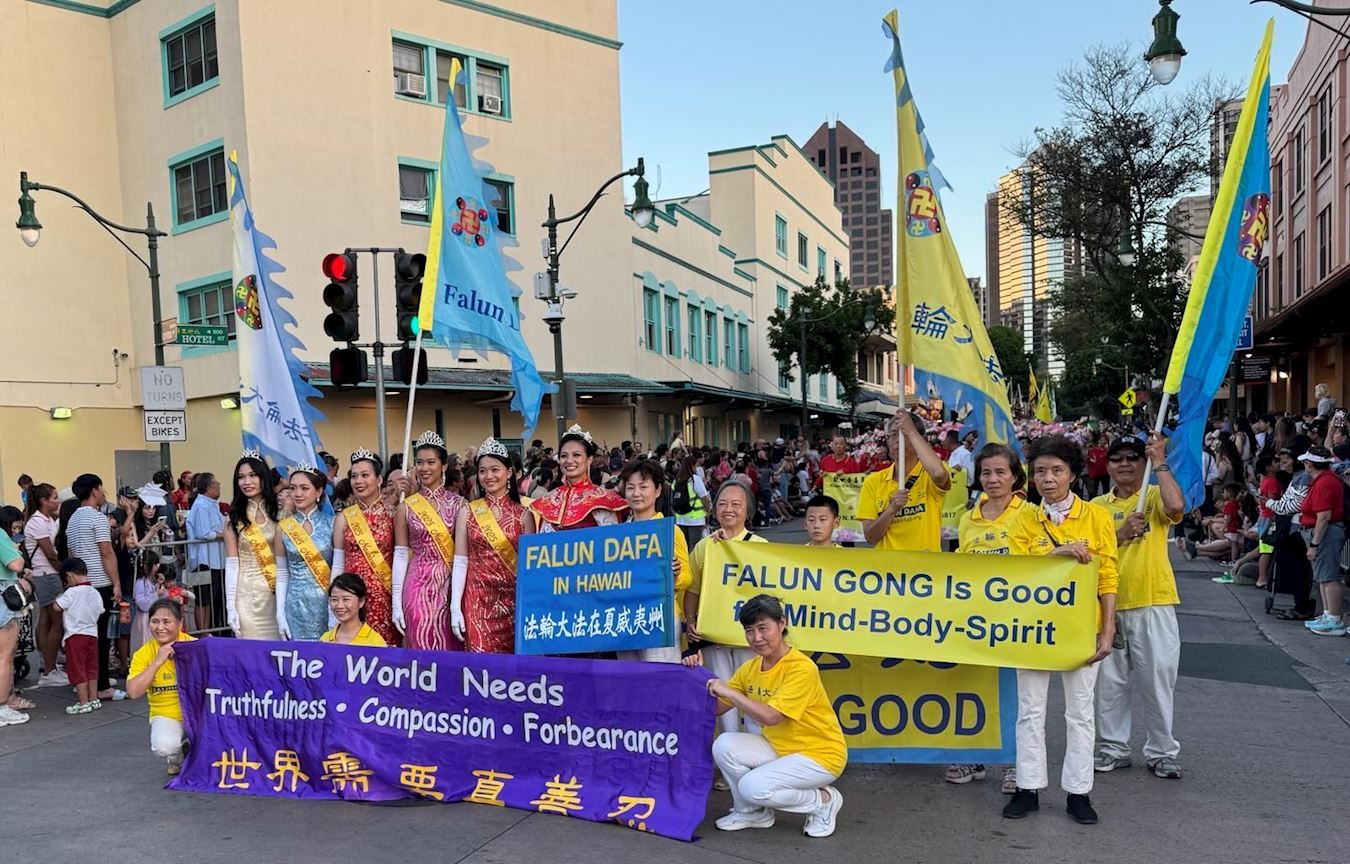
x: 336, y: 112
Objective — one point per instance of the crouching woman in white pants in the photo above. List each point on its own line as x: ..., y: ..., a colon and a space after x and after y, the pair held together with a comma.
x: 801, y: 752
x: 154, y: 676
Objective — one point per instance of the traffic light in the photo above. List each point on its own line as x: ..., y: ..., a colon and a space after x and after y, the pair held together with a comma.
x: 408, y: 271
x: 347, y: 367
x: 403, y: 365
x: 341, y: 295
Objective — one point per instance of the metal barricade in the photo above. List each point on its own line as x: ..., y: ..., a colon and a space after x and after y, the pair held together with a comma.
x: 205, y: 588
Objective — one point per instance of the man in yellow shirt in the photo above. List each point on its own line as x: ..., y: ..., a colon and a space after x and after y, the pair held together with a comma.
x: 910, y: 518
x: 1146, y: 601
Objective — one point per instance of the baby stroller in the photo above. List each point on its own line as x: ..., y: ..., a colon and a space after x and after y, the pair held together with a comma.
x: 1290, y: 571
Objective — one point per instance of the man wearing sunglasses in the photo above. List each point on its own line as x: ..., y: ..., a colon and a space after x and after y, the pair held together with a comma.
x: 1145, y: 610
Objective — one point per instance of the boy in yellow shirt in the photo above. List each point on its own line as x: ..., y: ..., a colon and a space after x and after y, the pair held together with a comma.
x: 801, y: 752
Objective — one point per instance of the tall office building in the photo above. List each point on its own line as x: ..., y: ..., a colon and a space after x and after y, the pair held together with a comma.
x: 1028, y: 271
x: 855, y: 170
x: 991, y: 285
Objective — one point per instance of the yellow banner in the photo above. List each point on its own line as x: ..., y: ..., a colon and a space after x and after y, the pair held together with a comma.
x: 954, y: 502
x: 988, y: 610
x: 895, y: 710
x: 844, y: 488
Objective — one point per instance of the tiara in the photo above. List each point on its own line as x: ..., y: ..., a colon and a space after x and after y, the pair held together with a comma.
x: 493, y: 447
x: 429, y: 439
x: 575, y: 429
x: 361, y: 454
x: 304, y: 465
x: 251, y: 453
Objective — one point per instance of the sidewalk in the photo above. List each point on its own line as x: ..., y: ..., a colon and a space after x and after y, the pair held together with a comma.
x: 1261, y: 709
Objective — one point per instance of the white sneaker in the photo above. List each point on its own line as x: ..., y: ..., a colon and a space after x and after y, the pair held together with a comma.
x: 54, y: 678
x: 821, y: 822
x: 738, y: 820
x: 10, y: 717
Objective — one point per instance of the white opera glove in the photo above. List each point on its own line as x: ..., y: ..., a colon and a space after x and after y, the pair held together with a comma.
x: 339, y: 563
x: 400, y: 574
x: 459, y: 574
x: 231, y: 587
x: 283, y: 581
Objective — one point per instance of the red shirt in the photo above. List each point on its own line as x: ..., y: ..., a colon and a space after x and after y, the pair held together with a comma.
x: 1326, y: 493
x: 1096, y: 462
x: 831, y: 464
x: 1232, y: 516
x: 1270, y: 489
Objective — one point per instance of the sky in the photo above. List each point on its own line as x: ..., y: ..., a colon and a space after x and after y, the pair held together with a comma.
x: 698, y: 75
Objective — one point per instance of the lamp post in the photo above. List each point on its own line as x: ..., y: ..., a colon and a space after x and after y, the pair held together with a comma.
x: 642, y: 212
x: 30, y: 232
x: 802, y: 321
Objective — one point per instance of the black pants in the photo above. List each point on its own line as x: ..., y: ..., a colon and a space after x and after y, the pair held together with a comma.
x: 104, y: 643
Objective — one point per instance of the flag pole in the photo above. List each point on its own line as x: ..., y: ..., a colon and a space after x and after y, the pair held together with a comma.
x: 412, y: 400
x: 1148, y: 464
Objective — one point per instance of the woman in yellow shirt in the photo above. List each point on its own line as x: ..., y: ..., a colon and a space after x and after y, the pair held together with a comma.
x: 347, y: 600
x: 984, y: 530
x: 1064, y: 524
x: 801, y: 752
x: 642, y: 484
x: 154, y: 676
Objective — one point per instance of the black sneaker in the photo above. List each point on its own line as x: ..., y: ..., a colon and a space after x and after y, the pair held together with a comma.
x: 1080, y: 808
x: 1023, y: 801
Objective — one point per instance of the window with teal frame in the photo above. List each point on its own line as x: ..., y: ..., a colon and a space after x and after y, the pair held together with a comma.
x: 208, y: 301
x: 416, y: 187
x: 824, y: 386
x: 197, y: 187
x: 780, y: 236
x: 782, y: 297
x: 783, y: 376
x: 421, y: 72
x: 729, y: 343
x: 188, y: 56
x: 695, y: 333
x: 502, y: 198
x: 820, y: 262
x: 710, y: 337
x: 672, y: 322
x: 743, y: 343
x: 802, y: 246
x: 651, y: 319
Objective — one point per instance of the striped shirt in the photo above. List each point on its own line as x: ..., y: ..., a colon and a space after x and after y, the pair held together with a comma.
x: 86, y: 529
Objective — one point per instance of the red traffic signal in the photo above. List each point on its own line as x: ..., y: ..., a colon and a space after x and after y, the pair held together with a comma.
x: 339, y: 266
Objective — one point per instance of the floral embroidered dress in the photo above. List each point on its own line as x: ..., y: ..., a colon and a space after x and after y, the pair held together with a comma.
x: 306, y: 599
x: 255, y: 598
x: 578, y: 505
x: 379, y: 600
x: 490, y: 590
x: 426, y: 590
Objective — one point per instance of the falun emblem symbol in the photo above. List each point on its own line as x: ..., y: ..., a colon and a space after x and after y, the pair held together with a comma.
x: 921, y: 206
x: 246, y: 309
x: 1255, y: 226
x: 472, y: 223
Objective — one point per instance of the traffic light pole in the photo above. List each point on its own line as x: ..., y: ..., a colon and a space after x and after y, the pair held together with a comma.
x: 377, y: 349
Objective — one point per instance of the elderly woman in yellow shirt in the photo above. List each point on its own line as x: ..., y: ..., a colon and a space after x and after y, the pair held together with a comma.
x: 801, y: 751
x: 642, y: 484
x: 347, y: 602
x: 1064, y: 524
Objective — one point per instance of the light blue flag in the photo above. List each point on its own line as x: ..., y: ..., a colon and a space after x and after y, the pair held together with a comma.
x: 472, y: 303
x: 276, y: 414
x: 1224, y: 279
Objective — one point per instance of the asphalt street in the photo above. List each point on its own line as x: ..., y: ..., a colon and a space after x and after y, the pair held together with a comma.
x: 1262, y: 713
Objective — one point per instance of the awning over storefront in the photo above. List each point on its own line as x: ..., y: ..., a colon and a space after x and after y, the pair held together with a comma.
x: 499, y: 380
x: 708, y: 394
x: 1320, y: 313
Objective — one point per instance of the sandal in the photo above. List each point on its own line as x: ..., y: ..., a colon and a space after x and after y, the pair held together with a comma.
x: 19, y: 703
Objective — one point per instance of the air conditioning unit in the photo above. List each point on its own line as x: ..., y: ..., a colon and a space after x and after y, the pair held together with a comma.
x: 410, y: 84
x: 490, y: 104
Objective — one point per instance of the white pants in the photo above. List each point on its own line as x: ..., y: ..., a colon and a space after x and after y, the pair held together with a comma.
x: 651, y: 655
x: 166, y: 738
x: 761, y: 778
x: 1149, y: 663
x: 723, y: 662
x: 1033, y: 690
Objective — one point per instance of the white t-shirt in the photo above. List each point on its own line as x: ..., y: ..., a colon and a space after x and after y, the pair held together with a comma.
x: 82, y: 605
x: 39, y: 527
x: 962, y: 458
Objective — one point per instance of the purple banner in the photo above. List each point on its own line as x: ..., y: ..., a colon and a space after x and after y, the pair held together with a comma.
x: 601, y: 740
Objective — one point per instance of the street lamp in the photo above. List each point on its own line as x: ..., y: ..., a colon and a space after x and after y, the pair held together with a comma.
x: 642, y: 212
x: 1164, y: 55
x: 868, y: 323
x: 30, y: 231
x: 1125, y: 244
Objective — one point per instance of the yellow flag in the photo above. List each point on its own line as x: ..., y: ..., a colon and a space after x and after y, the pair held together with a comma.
x: 939, y: 331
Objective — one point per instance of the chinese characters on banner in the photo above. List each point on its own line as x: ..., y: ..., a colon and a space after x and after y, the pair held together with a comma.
x: 596, y: 589
x: 597, y: 740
